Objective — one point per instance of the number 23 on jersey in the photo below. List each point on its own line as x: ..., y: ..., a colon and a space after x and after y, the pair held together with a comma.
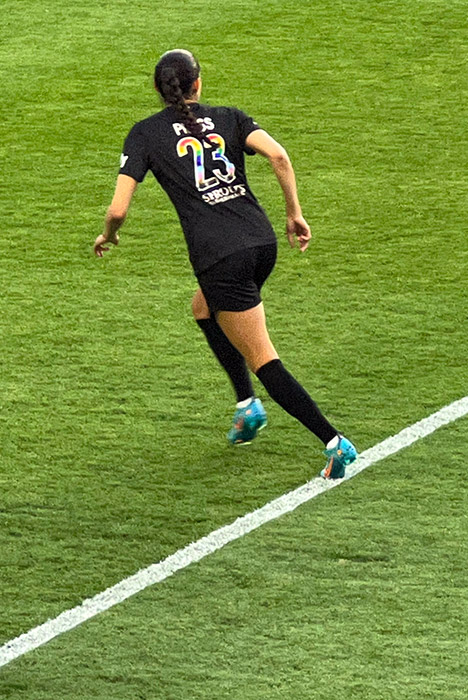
x: 202, y: 182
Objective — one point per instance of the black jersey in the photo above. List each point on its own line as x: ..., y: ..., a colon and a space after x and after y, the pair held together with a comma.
x: 204, y: 177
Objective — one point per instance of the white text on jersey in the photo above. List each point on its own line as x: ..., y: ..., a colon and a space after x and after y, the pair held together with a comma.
x: 206, y: 123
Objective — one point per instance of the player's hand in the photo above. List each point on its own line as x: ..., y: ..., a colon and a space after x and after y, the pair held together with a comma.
x: 100, y: 246
x: 297, y: 229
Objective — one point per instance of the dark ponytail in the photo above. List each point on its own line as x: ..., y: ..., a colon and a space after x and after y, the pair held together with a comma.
x: 174, y: 77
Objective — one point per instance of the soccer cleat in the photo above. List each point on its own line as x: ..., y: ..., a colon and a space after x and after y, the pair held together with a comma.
x: 247, y: 422
x: 338, y: 458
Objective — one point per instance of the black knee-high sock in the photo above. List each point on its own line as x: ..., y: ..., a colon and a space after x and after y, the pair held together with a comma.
x: 291, y: 396
x: 228, y: 357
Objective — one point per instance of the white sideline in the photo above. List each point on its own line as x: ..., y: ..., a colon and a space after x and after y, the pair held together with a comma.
x: 218, y: 538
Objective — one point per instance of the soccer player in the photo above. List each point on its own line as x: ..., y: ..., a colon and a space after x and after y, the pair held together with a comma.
x: 196, y: 152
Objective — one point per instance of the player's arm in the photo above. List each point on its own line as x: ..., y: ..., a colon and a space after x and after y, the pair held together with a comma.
x: 117, y: 213
x: 296, y: 226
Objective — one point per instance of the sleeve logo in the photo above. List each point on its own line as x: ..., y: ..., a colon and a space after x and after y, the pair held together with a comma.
x: 123, y: 160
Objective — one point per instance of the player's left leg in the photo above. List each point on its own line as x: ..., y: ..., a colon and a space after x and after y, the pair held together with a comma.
x: 250, y: 416
x: 229, y: 358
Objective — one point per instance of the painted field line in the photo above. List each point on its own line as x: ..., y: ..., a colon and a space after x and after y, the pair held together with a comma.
x: 218, y: 538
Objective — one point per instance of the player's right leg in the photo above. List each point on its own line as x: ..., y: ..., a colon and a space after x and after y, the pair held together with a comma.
x: 247, y: 331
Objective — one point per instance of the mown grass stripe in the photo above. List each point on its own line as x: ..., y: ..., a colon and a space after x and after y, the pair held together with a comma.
x: 219, y: 538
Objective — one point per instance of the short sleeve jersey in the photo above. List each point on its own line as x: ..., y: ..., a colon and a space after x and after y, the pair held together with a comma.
x: 204, y: 177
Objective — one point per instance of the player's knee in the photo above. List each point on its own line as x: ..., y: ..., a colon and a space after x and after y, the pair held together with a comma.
x: 260, y: 359
x: 199, y: 306
x: 258, y: 355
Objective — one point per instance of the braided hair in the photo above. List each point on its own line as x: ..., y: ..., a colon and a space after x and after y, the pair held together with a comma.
x: 174, y: 77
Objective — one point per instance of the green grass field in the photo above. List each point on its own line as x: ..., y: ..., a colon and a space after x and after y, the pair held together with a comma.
x: 113, y: 413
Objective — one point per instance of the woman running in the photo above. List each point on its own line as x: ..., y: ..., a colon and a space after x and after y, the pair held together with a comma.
x: 196, y: 152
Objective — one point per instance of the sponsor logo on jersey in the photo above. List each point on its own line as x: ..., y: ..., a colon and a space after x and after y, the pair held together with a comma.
x: 123, y: 160
x: 224, y: 193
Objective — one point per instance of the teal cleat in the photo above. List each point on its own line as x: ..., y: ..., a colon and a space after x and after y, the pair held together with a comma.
x: 338, y: 459
x: 247, y: 422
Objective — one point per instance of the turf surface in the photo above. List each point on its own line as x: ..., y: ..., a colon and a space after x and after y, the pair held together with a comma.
x: 113, y: 413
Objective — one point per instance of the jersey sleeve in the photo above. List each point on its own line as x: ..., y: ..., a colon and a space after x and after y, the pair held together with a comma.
x: 246, y: 125
x: 134, y: 158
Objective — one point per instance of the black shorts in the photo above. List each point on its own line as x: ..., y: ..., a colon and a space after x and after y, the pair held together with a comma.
x: 234, y: 283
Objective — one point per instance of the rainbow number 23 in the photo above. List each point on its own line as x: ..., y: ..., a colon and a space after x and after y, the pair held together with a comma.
x: 201, y: 181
